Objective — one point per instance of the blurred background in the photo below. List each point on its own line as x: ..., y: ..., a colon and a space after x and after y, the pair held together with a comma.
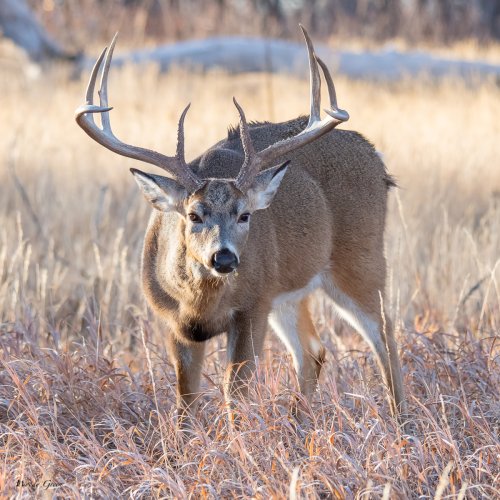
x: 414, y: 22
x: 64, y: 28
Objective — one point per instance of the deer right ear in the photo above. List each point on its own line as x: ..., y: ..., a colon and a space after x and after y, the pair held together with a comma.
x: 265, y: 185
x: 163, y: 193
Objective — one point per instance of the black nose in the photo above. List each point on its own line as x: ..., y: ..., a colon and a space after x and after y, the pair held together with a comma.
x: 224, y: 261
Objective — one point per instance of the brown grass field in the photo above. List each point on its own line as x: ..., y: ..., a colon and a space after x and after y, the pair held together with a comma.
x: 87, y: 394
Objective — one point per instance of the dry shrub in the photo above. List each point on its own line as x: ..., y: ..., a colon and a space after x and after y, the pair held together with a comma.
x: 87, y: 393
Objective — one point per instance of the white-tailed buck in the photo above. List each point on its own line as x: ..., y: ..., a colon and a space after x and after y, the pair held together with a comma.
x: 243, y: 234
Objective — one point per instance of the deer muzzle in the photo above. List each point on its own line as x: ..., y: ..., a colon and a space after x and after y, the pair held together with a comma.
x: 224, y: 261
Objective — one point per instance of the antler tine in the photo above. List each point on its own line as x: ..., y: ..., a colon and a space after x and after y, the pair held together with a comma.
x: 84, y: 117
x: 103, y: 87
x: 334, y: 112
x: 89, y: 95
x: 180, y: 135
x: 315, y: 80
x: 249, y: 168
x: 244, y: 132
x: 316, y: 127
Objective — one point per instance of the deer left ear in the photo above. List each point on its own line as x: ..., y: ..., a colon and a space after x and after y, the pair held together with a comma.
x: 163, y: 193
x: 265, y: 186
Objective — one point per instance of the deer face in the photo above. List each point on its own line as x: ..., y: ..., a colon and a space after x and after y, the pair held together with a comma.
x: 217, y: 216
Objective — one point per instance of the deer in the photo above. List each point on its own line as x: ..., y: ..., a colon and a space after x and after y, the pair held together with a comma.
x: 241, y: 237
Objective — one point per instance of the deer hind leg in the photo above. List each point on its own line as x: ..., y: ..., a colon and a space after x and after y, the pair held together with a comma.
x: 361, y: 308
x: 293, y: 324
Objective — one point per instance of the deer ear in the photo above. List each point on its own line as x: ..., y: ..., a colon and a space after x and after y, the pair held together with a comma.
x: 163, y: 193
x: 265, y: 186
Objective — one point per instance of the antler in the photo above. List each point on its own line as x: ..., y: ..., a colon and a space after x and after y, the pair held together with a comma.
x: 316, y: 127
x: 175, y: 165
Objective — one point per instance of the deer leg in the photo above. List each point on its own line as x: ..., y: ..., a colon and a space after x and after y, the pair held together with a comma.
x: 368, y: 319
x: 293, y: 324
x: 314, y: 352
x: 244, y: 343
x: 187, y: 360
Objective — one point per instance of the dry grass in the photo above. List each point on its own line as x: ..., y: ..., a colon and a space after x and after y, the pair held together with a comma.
x: 87, y: 402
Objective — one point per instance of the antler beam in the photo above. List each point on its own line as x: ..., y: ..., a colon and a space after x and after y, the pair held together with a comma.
x: 175, y: 165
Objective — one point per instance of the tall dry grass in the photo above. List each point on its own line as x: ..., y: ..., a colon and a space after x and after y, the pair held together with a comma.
x: 86, y: 389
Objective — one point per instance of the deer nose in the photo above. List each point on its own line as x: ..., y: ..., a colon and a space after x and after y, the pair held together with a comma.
x: 224, y: 261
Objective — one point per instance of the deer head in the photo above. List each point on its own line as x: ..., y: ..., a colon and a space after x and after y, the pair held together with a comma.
x: 215, y: 214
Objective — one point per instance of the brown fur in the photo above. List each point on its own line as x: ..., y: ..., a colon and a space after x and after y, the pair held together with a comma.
x: 328, y: 214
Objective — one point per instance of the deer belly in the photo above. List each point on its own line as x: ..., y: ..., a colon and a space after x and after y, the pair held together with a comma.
x: 297, y: 295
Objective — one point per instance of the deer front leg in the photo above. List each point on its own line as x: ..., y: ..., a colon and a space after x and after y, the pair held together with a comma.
x: 245, y: 341
x: 187, y: 360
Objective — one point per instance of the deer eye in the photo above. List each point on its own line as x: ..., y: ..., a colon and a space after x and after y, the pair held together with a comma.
x: 244, y: 218
x: 194, y: 218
